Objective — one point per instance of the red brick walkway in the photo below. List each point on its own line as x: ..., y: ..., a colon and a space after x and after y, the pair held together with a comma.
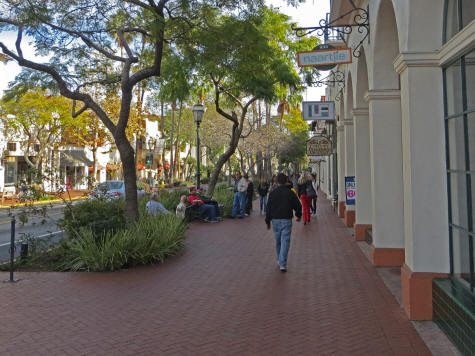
x: 223, y: 296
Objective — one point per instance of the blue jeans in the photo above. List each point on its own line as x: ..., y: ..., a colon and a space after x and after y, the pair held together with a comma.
x: 263, y: 202
x: 208, y: 210
x: 282, y: 230
x: 239, y: 202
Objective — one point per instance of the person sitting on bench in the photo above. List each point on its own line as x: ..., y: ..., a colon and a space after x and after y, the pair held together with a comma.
x: 154, y: 207
x: 211, y: 211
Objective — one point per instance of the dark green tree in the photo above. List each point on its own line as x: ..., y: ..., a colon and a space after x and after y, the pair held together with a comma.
x: 247, y: 58
x: 105, y: 43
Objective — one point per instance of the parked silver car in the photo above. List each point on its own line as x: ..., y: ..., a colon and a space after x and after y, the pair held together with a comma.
x: 112, y: 189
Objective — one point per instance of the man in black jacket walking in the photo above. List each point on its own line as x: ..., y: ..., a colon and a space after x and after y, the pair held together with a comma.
x: 280, y: 210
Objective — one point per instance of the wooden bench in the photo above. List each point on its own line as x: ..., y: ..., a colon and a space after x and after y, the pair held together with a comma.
x: 9, y: 192
x: 192, y: 213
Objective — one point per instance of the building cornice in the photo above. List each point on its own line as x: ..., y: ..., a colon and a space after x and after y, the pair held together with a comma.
x: 382, y: 94
x: 460, y: 43
x: 348, y: 121
x: 416, y: 59
x: 360, y: 112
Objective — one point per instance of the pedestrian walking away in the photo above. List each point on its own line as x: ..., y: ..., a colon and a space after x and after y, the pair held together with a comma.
x: 239, y: 202
x: 305, y: 193
x: 281, y: 206
x: 263, y: 189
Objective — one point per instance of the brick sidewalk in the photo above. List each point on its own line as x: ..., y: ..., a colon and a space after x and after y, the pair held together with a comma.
x: 224, y: 295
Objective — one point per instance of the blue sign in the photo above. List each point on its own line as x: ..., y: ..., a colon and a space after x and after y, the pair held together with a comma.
x: 350, y: 188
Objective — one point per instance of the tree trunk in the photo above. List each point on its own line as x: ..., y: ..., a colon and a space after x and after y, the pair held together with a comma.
x: 162, y: 116
x: 94, y: 165
x: 260, y: 172
x: 172, y: 133
x: 177, y: 151
x: 217, y: 169
x: 237, y: 130
x: 130, y: 178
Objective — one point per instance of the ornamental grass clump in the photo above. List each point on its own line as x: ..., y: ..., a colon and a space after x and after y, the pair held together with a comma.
x: 224, y: 196
x: 101, y: 216
x: 151, y: 239
x: 171, y: 199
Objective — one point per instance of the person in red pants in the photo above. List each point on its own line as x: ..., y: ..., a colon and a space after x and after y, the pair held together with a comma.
x: 302, y: 188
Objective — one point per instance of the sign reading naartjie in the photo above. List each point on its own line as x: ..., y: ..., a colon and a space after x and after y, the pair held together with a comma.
x: 324, y: 57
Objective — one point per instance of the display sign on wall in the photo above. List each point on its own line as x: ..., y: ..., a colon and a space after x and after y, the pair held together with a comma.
x: 350, y: 188
x: 324, y: 57
x: 319, y: 146
x: 318, y: 110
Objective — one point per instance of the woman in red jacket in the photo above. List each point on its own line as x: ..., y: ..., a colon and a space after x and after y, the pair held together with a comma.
x: 303, y: 183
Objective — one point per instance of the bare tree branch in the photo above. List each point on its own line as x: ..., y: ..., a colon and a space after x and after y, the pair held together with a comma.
x: 123, y: 42
x: 63, y: 87
x: 89, y: 42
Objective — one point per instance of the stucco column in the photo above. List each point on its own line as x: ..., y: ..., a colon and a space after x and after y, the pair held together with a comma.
x: 425, y: 182
x: 349, y: 166
x: 362, y: 173
x: 341, y: 169
x: 386, y: 177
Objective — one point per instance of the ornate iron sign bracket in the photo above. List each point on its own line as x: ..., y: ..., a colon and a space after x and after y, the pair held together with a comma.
x: 360, y: 20
x: 335, y: 78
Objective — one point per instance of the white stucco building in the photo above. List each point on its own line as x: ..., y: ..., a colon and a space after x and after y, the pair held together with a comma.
x: 405, y: 129
x: 70, y: 166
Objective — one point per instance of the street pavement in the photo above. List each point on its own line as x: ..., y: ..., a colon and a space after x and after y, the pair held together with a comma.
x: 37, y: 226
x: 223, y: 295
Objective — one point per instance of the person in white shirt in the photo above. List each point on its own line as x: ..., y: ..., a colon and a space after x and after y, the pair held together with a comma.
x: 153, y: 207
x: 240, y: 188
x: 181, y: 207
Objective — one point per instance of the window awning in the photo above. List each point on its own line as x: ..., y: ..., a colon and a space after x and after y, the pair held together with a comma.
x: 74, y: 158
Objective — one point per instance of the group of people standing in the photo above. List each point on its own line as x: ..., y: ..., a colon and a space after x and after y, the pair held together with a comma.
x: 243, y: 195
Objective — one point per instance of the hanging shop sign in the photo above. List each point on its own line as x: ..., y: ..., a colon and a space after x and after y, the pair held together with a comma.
x: 324, y: 57
x: 319, y: 146
x: 318, y: 110
x: 350, y: 188
x: 322, y: 67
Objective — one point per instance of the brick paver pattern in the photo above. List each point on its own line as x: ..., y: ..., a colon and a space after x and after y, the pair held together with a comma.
x: 224, y: 295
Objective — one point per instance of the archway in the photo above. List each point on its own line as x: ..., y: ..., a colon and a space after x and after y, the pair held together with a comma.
x: 385, y: 136
x: 360, y: 113
x: 349, y: 215
x: 385, y: 49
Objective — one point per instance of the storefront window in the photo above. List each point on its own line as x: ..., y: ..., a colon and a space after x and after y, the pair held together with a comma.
x: 10, y: 168
x: 458, y: 14
x: 459, y: 93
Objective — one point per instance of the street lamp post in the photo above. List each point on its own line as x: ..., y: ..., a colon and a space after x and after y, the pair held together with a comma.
x: 198, y: 112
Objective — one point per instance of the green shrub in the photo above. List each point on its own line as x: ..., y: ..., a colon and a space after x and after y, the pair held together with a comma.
x: 170, y: 199
x: 224, y: 196
x: 100, y: 216
x: 150, y: 240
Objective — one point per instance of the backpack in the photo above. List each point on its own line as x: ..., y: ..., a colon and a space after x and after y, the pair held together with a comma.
x: 310, y: 191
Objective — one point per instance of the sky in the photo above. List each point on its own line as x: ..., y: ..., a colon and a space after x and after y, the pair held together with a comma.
x: 305, y: 14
